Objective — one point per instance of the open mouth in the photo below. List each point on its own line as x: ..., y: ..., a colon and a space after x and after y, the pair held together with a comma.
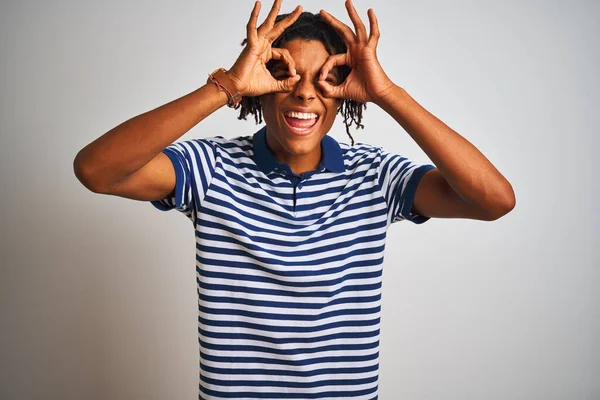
x: 300, y: 123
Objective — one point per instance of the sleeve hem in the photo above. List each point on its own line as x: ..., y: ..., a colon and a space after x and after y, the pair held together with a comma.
x: 179, y: 179
x: 410, y: 191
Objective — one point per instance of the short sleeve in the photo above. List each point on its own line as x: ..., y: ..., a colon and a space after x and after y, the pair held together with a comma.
x: 194, y: 164
x: 398, y: 181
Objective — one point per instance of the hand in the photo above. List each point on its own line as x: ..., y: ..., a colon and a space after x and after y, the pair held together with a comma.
x: 367, y: 80
x: 249, y: 73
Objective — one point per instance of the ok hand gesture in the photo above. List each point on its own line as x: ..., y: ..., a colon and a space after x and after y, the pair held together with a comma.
x: 249, y: 74
x: 367, y: 80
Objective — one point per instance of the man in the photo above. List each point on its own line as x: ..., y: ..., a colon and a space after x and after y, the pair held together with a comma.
x: 290, y: 225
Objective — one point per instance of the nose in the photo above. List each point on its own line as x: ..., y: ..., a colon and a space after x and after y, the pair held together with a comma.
x: 305, y: 90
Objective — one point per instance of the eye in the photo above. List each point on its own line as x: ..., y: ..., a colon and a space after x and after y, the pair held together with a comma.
x: 280, y: 74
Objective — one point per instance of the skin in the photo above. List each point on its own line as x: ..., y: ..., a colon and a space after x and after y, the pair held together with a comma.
x: 302, y: 153
x: 465, y: 184
x: 127, y: 161
x: 310, y: 83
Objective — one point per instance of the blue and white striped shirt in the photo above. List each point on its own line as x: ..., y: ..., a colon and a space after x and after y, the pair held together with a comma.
x: 289, y: 267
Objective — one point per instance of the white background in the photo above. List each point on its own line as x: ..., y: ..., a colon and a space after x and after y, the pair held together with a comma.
x: 98, y: 293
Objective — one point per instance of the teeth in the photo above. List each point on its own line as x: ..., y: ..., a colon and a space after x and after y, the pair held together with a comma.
x: 300, y: 115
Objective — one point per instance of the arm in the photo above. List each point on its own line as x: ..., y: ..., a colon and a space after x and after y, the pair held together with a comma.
x: 464, y: 184
x: 128, y: 160
x: 106, y: 163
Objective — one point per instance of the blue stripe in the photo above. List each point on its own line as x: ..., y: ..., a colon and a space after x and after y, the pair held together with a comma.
x: 266, y: 279
x: 288, y: 316
x: 311, y: 361
x: 279, y: 340
x: 290, y: 293
x: 283, y: 372
x: 274, y: 395
x: 288, y: 328
x: 290, y: 384
x: 287, y: 304
x: 298, y: 351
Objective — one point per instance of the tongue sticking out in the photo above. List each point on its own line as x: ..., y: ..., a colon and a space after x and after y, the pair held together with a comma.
x: 300, y: 123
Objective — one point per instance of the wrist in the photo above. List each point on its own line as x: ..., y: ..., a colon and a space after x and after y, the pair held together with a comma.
x: 214, y: 90
x: 388, y: 95
x: 225, y: 83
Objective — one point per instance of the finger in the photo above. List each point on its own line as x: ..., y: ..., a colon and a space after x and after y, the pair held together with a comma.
x: 251, y: 26
x: 373, y: 27
x: 284, y: 24
x: 284, y: 56
x: 270, y: 20
x: 332, y: 91
x: 287, y: 85
x: 361, y: 31
x: 331, y: 62
x: 343, y: 29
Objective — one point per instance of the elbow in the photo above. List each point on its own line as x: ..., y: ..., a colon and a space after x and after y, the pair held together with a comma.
x: 84, y: 173
x: 505, y: 204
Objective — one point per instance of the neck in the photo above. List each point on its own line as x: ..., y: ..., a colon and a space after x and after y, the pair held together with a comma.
x: 298, y: 163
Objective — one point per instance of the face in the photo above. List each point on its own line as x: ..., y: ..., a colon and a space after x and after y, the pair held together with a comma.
x: 297, y: 121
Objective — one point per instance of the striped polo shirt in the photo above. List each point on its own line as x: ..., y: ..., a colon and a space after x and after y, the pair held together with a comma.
x: 289, y: 267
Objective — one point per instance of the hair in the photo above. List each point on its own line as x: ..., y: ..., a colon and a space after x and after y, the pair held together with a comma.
x: 307, y: 27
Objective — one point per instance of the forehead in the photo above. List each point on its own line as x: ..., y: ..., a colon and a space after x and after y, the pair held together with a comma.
x: 307, y: 54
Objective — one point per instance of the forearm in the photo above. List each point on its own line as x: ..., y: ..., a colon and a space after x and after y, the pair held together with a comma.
x: 465, y: 168
x: 131, y: 145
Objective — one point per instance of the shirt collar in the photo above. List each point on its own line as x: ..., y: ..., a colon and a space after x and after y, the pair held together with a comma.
x: 331, y: 154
